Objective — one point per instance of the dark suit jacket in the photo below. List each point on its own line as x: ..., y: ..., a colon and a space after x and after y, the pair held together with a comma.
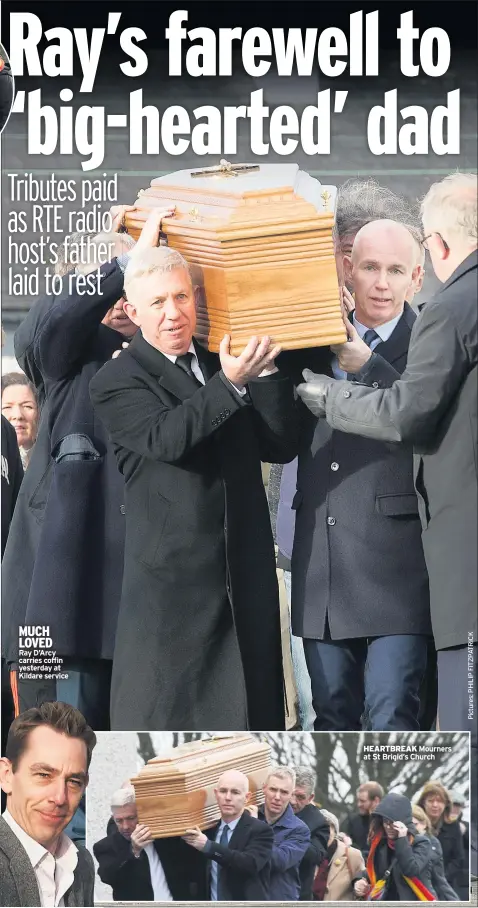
x: 12, y: 475
x: 357, y: 827
x: 245, y: 862
x: 67, y: 533
x: 199, y: 613
x: 317, y: 850
x: 434, y: 408
x: 18, y: 885
x: 130, y: 877
x: 373, y: 548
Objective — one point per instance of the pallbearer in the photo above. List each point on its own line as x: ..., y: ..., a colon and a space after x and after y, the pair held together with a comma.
x: 198, y: 639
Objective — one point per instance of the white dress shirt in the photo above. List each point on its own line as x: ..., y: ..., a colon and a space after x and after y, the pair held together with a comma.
x: 161, y: 891
x: 384, y: 331
x: 54, y: 873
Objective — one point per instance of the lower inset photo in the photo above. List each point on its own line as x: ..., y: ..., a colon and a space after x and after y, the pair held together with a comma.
x: 276, y: 816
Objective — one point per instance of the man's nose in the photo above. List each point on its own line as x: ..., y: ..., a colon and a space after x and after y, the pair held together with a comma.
x: 382, y: 280
x: 58, y: 792
x: 171, y: 310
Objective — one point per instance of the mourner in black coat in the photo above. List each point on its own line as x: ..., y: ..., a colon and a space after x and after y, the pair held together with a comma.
x: 198, y: 640
x: 434, y: 408
x: 64, y: 559
x: 359, y: 580
x: 130, y: 876
x: 6, y: 90
x: 398, y: 855
x: 238, y: 849
x: 317, y: 850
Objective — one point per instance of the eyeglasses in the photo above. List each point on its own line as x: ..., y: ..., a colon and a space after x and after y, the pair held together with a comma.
x: 435, y: 233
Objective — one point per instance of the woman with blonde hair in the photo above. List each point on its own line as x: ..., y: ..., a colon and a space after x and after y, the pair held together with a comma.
x: 335, y: 876
x: 436, y: 802
x: 444, y: 891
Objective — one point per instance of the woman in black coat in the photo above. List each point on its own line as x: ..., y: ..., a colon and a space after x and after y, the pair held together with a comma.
x: 436, y: 803
x: 444, y: 891
x: 398, y: 863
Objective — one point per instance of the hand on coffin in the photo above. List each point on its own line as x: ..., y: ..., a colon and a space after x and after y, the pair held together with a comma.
x: 257, y: 355
x: 314, y: 391
x: 149, y: 238
x: 195, y: 837
x: 253, y: 810
x: 354, y: 353
x: 117, y: 213
x: 347, y: 302
x: 140, y: 837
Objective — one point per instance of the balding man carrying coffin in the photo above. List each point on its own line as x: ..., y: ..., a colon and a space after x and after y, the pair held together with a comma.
x: 238, y: 848
x: 433, y: 407
x: 359, y: 582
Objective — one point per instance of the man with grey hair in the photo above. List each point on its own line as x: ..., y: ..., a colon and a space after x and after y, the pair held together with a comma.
x: 433, y: 407
x: 198, y: 642
x: 302, y: 803
x: 64, y: 561
x: 138, y: 867
x: 291, y: 835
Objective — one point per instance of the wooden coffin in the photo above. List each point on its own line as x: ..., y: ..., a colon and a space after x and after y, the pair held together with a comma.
x: 261, y: 250
x: 175, y: 791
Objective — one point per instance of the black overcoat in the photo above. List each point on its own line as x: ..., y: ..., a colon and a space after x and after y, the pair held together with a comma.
x: 357, y: 557
x: 434, y: 407
x: 130, y: 877
x: 245, y: 863
x: 317, y: 850
x: 64, y: 556
x: 199, y: 575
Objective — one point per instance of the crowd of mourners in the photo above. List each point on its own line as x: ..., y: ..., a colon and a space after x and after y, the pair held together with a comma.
x: 293, y: 849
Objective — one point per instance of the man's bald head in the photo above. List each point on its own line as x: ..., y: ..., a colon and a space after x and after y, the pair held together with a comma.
x: 385, y: 233
x: 234, y: 777
x: 382, y: 267
x: 231, y: 793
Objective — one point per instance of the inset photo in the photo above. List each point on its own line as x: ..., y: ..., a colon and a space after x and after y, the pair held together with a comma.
x: 6, y: 87
x: 279, y: 816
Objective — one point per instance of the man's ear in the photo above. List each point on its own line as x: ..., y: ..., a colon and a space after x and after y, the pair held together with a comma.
x: 249, y: 797
x: 6, y: 773
x: 420, y: 278
x: 131, y: 312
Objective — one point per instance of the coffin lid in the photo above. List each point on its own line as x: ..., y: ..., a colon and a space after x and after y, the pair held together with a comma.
x: 278, y: 196
x: 196, y: 755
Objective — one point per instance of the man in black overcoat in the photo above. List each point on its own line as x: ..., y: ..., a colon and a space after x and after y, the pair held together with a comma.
x: 64, y: 558
x: 198, y: 640
x: 140, y: 869
x: 237, y: 849
x: 360, y: 596
x: 434, y: 408
x: 304, y: 808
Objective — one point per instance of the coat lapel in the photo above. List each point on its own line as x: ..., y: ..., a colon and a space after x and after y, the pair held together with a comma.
x: 169, y: 376
x: 397, y: 344
x: 337, y: 863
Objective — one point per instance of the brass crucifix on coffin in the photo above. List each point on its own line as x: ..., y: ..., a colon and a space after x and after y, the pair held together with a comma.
x: 225, y: 169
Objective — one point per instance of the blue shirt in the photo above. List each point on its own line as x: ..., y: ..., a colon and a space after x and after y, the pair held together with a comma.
x: 384, y: 331
x: 291, y: 841
x: 214, y: 866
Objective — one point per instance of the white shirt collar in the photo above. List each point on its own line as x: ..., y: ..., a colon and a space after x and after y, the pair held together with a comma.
x: 66, y: 853
x: 384, y: 331
x: 231, y: 823
x: 191, y: 349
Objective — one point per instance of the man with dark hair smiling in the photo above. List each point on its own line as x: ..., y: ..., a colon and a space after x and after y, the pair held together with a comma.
x: 44, y: 775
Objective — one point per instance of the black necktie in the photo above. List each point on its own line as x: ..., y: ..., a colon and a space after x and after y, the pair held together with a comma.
x: 224, y: 840
x: 368, y: 338
x: 184, y: 362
